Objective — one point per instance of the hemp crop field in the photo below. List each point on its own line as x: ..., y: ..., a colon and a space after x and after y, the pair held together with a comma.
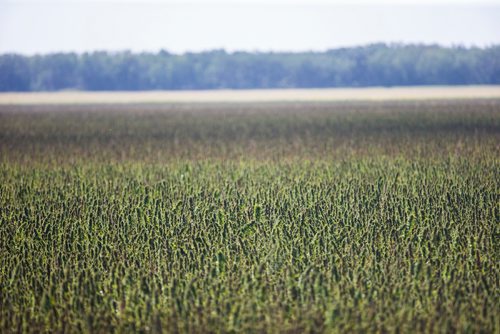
x: 251, y: 217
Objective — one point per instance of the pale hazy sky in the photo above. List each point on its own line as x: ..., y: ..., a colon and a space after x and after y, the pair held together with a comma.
x: 41, y: 26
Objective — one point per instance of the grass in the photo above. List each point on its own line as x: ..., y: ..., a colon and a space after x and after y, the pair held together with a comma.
x: 256, y: 95
x: 281, y: 217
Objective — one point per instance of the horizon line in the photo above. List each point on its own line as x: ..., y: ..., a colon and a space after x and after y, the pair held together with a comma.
x: 257, y: 51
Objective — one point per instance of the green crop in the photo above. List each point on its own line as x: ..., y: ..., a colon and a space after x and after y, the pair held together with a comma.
x: 281, y: 217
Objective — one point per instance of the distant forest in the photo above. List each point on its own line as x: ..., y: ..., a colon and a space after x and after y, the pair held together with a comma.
x: 372, y: 65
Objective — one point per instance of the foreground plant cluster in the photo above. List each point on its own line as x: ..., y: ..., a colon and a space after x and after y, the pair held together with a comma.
x: 345, y: 217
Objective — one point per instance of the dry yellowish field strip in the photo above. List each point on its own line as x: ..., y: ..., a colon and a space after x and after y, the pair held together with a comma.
x: 273, y: 95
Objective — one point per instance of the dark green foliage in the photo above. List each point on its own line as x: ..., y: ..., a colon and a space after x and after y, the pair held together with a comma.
x: 277, y: 217
x: 372, y: 65
x: 15, y: 73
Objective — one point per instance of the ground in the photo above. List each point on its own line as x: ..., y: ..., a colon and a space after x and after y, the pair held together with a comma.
x: 308, y: 216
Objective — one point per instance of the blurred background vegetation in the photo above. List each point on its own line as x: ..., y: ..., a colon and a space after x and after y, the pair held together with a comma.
x: 371, y: 65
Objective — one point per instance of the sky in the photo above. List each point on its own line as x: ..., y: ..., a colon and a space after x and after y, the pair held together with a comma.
x: 44, y: 26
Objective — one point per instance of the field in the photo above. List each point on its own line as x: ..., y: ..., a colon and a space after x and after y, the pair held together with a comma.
x: 256, y: 95
x: 327, y: 216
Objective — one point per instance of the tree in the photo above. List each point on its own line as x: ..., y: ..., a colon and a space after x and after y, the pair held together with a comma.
x: 370, y: 65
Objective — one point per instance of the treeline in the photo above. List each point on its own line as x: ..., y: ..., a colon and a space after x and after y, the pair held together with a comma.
x: 372, y: 65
